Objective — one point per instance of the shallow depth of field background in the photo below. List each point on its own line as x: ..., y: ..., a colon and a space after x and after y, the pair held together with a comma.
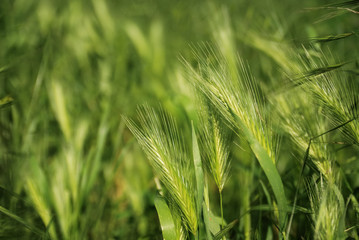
x: 70, y: 71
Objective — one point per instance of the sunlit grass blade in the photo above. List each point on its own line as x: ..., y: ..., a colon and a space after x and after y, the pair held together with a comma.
x: 211, y: 225
x: 165, y: 216
x: 198, y: 172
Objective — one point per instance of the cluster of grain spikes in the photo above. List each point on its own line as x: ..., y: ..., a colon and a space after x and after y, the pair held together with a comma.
x: 236, y: 96
x: 183, y: 209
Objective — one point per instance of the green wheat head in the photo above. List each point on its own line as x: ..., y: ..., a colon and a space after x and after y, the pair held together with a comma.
x: 161, y: 141
x: 216, y: 142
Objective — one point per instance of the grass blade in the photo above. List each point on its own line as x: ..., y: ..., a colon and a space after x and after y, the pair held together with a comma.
x: 331, y: 37
x: 166, y: 220
x: 208, y: 218
x: 198, y: 172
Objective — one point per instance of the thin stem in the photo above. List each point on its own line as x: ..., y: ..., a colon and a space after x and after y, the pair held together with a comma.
x: 221, y: 203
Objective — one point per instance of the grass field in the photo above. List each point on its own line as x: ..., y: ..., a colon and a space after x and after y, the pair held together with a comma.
x: 179, y: 119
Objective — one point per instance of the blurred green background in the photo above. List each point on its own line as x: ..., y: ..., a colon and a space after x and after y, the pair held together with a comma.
x: 69, y: 167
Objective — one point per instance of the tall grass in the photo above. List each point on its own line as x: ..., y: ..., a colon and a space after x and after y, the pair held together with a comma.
x: 256, y: 136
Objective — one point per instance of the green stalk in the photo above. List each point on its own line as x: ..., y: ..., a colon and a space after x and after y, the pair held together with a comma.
x: 221, y: 205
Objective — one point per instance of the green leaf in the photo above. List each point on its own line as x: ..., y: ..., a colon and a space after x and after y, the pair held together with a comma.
x: 225, y: 230
x: 269, y: 169
x: 198, y: 172
x: 166, y: 220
